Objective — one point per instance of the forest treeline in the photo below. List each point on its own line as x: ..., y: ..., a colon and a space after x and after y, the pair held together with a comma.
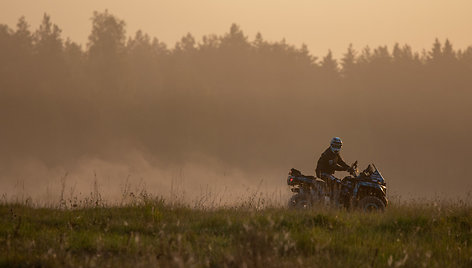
x: 246, y: 101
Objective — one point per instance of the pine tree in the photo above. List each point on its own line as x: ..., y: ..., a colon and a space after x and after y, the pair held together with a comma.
x: 348, y: 61
x: 48, y: 41
x: 329, y: 64
x: 108, y: 36
x: 448, y: 52
x: 23, y: 37
x: 186, y: 44
x: 435, y: 54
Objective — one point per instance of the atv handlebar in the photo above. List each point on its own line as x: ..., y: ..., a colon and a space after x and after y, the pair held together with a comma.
x: 353, y: 169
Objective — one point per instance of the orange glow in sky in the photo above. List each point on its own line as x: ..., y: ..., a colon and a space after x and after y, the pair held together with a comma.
x: 320, y: 24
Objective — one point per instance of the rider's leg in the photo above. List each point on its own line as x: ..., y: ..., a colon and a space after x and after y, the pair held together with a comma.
x: 327, y: 180
x: 331, y: 182
x: 334, y: 189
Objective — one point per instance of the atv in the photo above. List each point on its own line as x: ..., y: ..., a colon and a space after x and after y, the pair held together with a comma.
x: 365, y: 190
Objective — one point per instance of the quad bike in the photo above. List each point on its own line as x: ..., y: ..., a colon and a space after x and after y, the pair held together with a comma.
x: 365, y: 190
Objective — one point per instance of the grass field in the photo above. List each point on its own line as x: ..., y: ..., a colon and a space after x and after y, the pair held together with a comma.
x: 153, y: 233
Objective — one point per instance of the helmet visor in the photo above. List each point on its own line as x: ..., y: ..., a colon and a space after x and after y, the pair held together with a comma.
x: 336, y: 145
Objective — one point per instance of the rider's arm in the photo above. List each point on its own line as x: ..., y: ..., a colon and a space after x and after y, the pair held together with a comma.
x: 342, y: 165
x: 318, y: 168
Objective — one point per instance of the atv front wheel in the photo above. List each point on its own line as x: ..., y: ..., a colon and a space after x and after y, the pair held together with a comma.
x: 371, y: 204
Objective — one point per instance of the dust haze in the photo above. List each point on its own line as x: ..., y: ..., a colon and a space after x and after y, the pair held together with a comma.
x: 223, y: 115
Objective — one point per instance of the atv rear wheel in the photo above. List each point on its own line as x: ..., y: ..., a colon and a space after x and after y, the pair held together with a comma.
x: 298, y: 202
x: 371, y: 204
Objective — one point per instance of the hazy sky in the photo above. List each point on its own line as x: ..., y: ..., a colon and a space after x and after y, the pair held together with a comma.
x: 321, y: 24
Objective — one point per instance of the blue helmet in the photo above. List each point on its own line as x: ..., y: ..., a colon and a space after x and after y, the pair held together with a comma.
x: 336, y: 144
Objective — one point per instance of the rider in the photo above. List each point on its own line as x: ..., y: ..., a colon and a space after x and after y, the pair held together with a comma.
x: 330, y: 161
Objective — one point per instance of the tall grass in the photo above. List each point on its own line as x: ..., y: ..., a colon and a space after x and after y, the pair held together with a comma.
x: 144, y: 231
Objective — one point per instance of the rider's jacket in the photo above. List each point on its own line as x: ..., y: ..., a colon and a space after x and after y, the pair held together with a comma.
x: 330, y: 162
